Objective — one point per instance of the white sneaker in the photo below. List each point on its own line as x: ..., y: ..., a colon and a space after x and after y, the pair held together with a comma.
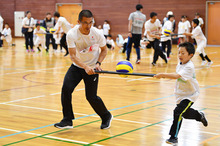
x: 203, y: 63
x: 209, y: 63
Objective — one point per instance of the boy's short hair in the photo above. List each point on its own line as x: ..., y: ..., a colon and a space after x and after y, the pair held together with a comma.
x: 6, y: 24
x: 48, y: 13
x: 170, y: 16
x: 197, y: 14
x: 56, y: 14
x: 37, y: 24
x: 152, y: 14
x: 109, y: 36
x: 139, y: 6
x: 27, y: 12
x: 85, y: 13
x: 196, y: 21
x: 184, y: 17
x: 189, y: 47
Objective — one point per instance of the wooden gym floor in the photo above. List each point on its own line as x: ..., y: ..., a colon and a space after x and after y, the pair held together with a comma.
x: 30, y: 86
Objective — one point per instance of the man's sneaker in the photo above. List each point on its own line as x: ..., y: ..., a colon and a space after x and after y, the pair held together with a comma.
x: 138, y: 61
x: 203, y: 63
x: 209, y: 63
x: 172, y: 140
x: 64, y: 124
x: 107, y: 123
x: 203, y: 119
x: 154, y: 64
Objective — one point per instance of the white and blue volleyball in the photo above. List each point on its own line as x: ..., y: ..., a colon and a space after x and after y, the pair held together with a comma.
x: 124, y: 67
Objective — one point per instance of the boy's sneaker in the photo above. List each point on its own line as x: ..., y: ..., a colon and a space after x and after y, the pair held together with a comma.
x: 209, y: 63
x: 27, y: 51
x: 32, y: 50
x: 203, y: 119
x: 64, y: 124
x: 172, y: 140
x: 203, y: 63
x: 154, y: 64
x: 106, y: 123
x: 138, y: 61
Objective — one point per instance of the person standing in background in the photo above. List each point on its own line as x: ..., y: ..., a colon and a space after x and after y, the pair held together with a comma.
x: 1, y: 28
x: 135, y: 25
x: 106, y: 28
x: 48, y: 23
x: 65, y: 25
x: 28, y: 22
x: 201, y: 22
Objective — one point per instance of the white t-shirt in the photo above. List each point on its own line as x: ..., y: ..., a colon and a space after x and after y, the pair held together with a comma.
x: 198, y: 35
x: 188, y: 25
x: 153, y: 28
x: 169, y: 26
x: 1, y: 23
x: 64, y: 24
x: 87, y: 46
x: 106, y: 28
x: 28, y: 22
x: 187, y: 86
x: 182, y: 28
x: 6, y: 32
x: 110, y: 42
x: 41, y: 32
x: 200, y: 21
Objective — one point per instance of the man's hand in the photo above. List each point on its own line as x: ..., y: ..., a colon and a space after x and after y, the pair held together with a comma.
x: 158, y: 76
x: 89, y: 70
x: 98, y: 67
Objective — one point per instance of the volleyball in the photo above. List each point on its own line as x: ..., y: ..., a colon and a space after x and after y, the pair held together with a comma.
x: 167, y: 32
x: 52, y: 30
x: 124, y: 67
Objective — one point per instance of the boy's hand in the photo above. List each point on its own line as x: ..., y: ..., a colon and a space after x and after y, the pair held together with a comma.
x: 158, y: 76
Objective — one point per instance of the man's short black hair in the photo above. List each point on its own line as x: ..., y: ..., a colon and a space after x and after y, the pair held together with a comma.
x: 189, y: 47
x: 85, y: 13
x: 56, y: 14
x: 170, y: 16
x: 152, y: 14
x: 196, y: 21
x: 37, y: 24
x: 139, y: 6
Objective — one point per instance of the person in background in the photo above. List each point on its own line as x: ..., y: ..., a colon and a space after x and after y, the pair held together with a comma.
x: 28, y: 22
x: 40, y: 33
x: 188, y: 28
x: 65, y: 25
x: 106, y: 28
x: 110, y: 43
x: 201, y: 22
x: 1, y: 28
x: 6, y: 34
x: 135, y: 26
x: 182, y: 28
x: 48, y: 23
x: 100, y: 28
x: 120, y: 42
x: 166, y: 19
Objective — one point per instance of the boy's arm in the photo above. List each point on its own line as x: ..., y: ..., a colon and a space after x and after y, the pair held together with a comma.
x: 168, y: 75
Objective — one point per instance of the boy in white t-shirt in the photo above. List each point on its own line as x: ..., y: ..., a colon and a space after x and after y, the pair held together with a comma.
x: 201, y: 42
x: 87, y: 48
x: 182, y: 28
x: 110, y: 43
x: 40, y: 33
x: 186, y: 91
x: 166, y: 41
x: 7, y: 34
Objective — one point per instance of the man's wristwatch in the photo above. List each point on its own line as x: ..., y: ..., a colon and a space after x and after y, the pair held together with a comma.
x: 98, y: 62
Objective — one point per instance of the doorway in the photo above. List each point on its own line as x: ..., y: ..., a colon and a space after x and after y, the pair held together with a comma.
x: 69, y: 11
x: 213, y: 22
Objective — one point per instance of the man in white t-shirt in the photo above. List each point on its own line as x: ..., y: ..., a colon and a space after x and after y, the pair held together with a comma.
x: 1, y: 28
x: 186, y: 91
x: 153, y: 31
x: 106, y: 28
x: 87, y: 48
x: 201, y: 41
x: 61, y: 22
